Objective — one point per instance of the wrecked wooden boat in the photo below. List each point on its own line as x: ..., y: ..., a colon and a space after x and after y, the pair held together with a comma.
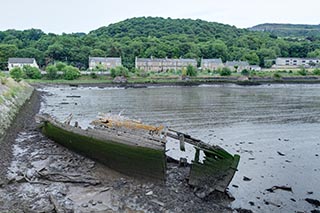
x: 136, y: 149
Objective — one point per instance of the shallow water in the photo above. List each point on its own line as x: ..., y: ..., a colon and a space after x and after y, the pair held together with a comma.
x: 275, y: 129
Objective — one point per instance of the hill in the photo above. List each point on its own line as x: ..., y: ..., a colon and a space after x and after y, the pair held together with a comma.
x: 153, y: 36
x: 289, y: 30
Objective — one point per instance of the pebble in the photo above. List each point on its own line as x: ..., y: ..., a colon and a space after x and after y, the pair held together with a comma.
x: 149, y: 193
x: 84, y: 205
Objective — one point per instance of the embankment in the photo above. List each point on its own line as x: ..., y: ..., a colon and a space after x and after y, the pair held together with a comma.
x: 12, y: 97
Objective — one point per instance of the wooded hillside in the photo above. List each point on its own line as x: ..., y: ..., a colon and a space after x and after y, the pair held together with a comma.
x: 158, y: 37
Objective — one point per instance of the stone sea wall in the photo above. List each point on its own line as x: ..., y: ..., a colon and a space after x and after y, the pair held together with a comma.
x: 12, y: 97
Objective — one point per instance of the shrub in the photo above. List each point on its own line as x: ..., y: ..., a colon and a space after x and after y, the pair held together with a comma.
x: 302, y: 71
x: 191, y: 70
x: 245, y: 72
x: 70, y: 73
x: 93, y: 75
x: 119, y: 71
x: 52, y: 72
x: 316, y: 71
x: 17, y: 73
x: 277, y: 75
x: 31, y: 72
x: 225, y: 71
x: 60, y: 66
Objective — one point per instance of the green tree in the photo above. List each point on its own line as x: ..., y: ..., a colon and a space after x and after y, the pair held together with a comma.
x: 52, y: 72
x: 191, y: 70
x: 31, y: 72
x: 60, y: 66
x: 245, y: 72
x: 225, y: 71
x: 119, y: 71
x: 17, y: 73
x: 6, y: 51
x: 70, y: 73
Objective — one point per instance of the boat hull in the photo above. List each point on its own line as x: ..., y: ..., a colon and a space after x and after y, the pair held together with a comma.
x: 137, y: 161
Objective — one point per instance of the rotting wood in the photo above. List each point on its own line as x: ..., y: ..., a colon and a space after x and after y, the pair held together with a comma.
x: 69, y: 178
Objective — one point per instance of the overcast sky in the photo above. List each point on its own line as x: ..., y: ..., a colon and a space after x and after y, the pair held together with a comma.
x: 68, y: 16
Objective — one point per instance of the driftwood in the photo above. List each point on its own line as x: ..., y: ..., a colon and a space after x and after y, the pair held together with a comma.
x: 69, y: 178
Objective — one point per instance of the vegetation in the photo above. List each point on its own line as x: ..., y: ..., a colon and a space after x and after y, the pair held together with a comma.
x: 225, y: 71
x: 158, y: 37
x: 191, y: 70
x: 70, y: 73
x: 52, y: 72
x: 31, y: 72
x: 290, y: 30
x: 17, y: 73
x: 119, y: 71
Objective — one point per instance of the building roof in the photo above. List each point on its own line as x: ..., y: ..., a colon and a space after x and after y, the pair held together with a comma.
x: 103, y: 59
x: 293, y: 58
x: 237, y: 63
x: 166, y: 60
x: 21, y: 60
x: 212, y: 60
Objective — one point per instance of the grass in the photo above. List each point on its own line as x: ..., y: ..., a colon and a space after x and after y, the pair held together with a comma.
x: 175, y: 77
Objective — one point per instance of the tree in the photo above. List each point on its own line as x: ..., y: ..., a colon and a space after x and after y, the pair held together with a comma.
x: 52, y: 72
x: 17, y: 73
x: 119, y: 71
x: 6, y: 51
x: 60, y: 66
x: 191, y: 70
x: 70, y: 73
x: 225, y: 71
x: 245, y: 72
x: 31, y: 72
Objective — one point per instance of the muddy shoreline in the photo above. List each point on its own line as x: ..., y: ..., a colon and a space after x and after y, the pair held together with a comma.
x: 37, y: 175
x: 217, y: 81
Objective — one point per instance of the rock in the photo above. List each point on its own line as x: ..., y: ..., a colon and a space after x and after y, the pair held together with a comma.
x: 313, y: 202
x: 149, y: 193
x: 285, y: 188
x: 251, y: 203
x: 84, y: 205
x: 235, y: 186
x: 280, y: 153
x: 246, y: 178
x: 292, y: 199
x: 158, y: 202
x: 309, y: 193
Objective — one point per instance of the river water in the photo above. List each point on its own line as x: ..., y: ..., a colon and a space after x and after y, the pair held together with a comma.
x: 274, y: 128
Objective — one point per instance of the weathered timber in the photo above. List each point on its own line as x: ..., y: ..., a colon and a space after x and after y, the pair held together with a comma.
x: 123, y: 152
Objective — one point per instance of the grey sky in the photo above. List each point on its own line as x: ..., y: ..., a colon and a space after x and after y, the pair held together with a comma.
x: 85, y: 15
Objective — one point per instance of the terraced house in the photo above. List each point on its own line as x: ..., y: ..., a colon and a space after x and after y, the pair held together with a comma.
x: 104, y: 63
x: 296, y: 62
x: 163, y: 64
x: 237, y: 65
x: 211, y: 64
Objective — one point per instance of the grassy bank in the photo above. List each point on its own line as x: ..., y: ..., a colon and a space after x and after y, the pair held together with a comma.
x: 12, y: 97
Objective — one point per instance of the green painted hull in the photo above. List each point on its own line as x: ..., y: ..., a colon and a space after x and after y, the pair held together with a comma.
x: 132, y: 160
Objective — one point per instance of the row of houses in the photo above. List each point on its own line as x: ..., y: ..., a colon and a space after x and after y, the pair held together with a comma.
x: 296, y: 62
x: 145, y: 64
x: 165, y: 64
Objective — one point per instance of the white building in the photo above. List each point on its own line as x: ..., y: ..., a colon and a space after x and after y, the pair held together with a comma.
x: 20, y: 62
x: 105, y: 63
x: 163, y: 64
x: 296, y: 62
x: 211, y: 64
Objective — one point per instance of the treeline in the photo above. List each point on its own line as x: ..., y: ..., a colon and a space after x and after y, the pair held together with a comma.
x: 310, y: 32
x: 157, y: 37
